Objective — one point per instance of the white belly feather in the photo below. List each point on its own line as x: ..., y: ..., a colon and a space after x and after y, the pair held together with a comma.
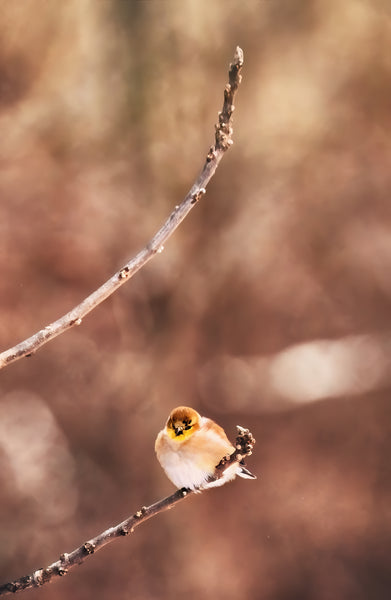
x: 183, y: 465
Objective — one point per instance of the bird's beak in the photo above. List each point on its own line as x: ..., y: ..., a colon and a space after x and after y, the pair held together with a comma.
x: 178, y: 430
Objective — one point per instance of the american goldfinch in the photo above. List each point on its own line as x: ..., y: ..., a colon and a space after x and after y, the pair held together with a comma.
x: 190, y: 447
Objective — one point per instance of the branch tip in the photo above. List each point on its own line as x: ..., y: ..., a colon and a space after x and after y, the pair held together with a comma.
x: 238, y: 56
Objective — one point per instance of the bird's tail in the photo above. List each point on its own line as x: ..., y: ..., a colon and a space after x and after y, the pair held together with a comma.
x: 245, y: 473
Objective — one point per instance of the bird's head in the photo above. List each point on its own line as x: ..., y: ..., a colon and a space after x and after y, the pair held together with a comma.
x: 182, y: 423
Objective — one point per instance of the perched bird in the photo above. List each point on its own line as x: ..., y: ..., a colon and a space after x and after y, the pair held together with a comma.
x: 190, y: 447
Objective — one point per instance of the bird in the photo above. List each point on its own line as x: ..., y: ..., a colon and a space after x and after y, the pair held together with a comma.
x: 190, y: 447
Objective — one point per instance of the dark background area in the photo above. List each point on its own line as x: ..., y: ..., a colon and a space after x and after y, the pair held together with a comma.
x: 270, y: 307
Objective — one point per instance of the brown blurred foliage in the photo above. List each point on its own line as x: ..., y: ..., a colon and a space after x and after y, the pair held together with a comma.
x: 269, y: 308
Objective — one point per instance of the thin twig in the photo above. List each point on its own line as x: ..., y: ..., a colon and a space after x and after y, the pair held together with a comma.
x: 223, y: 140
x: 244, y: 445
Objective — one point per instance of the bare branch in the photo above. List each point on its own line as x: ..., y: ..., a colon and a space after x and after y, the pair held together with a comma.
x: 244, y: 445
x: 223, y: 140
x: 76, y: 557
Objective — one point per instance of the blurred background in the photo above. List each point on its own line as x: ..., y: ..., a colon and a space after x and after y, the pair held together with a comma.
x: 270, y: 306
